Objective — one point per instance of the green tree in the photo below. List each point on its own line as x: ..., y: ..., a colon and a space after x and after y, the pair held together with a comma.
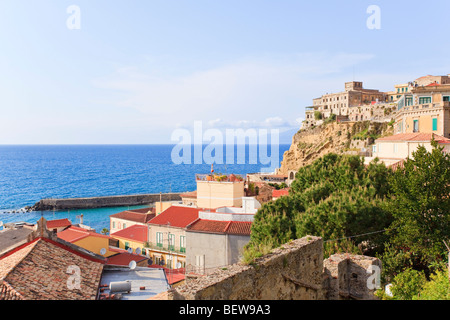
x: 335, y: 197
x: 420, y: 205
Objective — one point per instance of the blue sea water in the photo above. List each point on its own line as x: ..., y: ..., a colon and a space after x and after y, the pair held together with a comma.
x: 31, y: 173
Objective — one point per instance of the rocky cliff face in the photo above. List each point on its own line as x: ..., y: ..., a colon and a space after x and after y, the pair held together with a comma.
x: 347, y: 137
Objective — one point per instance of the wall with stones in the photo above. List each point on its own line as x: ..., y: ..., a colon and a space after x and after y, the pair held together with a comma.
x: 295, y: 271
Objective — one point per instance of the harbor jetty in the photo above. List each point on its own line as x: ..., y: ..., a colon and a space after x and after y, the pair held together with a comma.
x: 103, y: 202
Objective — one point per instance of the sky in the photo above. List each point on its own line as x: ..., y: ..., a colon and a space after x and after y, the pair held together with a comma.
x: 133, y: 72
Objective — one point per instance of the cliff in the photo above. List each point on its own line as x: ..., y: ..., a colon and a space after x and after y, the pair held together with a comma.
x: 335, y: 137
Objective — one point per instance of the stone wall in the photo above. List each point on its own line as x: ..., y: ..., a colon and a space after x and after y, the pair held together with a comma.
x: 295, y: 271
x: 101, y: 202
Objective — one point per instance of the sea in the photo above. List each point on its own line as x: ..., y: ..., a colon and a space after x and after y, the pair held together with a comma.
x: 29, y: 173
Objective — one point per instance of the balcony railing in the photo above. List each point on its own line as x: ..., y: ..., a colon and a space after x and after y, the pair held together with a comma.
x: 165, y: 247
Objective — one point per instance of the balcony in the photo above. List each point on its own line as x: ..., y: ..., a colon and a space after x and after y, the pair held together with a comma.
x: 165, y: 248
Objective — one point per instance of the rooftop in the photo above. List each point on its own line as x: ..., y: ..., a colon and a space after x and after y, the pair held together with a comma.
x: 414, y: 137
x: 221, y: 227
x: 280, y: 193
x: 10, y: 238
x: 52, y: 224
x: 38, y: 270
x: 176, y: 216
x: 138, y: 215
x: 124, y: 259
x: 136, y: 232
x: 145, y: 282
x: 73, y: 234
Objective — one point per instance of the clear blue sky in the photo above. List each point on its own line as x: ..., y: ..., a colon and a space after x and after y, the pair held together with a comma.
x: 137, y: 70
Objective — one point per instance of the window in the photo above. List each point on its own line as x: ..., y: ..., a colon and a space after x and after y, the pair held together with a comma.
x: 114, y: 224
x: 127, y: 245
x: 182, y: 243
x: 423, y: 100
x: 395, y: 148
x: 124, y: 225
x: 416, y: 126
x: 374, y: 149
x: 171, y: 241
x: 159, y: 239
x: 446, y: 98
x: 435, y: 124
x: 409, y: 101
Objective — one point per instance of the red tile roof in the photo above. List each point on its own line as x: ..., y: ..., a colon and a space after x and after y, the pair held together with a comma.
x: 52, y: 224
x: 136, y: 232
x: 176, y: 216
x: 124, y: 259
x: 223, y: 227
x: 39, y: 270
x: 279, y: 193
x: 73, y: 234
x: 138, y: 215
x: 414, y: 137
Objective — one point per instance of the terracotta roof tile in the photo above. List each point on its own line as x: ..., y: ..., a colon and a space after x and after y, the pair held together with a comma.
x: 279, y: 193
x: 51, y: 224
x: 136, y: 232
x: 225, y: 227
x: 124, y: 259
x: 73, y: 234
x: 138, y: 215
x: 39, y: 270
x: 413, y: 137
x: 176, y: 216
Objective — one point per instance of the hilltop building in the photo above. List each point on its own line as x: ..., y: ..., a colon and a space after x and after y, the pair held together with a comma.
x: 341, y: 104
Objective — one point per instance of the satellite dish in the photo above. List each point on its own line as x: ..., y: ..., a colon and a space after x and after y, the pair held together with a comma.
x: 162, y: 262
x: 138, y: 250
x: 178, y: 265
x: 132, y: 265
x: 1, y: 223
x: 130, y: 250
x: 150, y: 261
x: 102, y: 251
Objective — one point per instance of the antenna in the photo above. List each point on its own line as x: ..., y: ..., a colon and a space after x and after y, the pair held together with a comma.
x: 178, y: 265
x: 132, y: 265
x: 102, y: 251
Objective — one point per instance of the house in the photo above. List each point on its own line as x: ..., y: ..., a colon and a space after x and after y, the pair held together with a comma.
x: 88, y: 240
x: 214, y: 191
x: 189, y: 198
x: 58, y: 225
x: 167, y: 235
x: 128, y: 218
x: 47, y: 268
x: 134, y: 237
x: 395, y: 148
x: 144, y: 283
x: 216, y: 239
x: 124, y: 258
x: 426, y: 110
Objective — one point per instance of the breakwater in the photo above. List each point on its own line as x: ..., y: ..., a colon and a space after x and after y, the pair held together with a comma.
x: 103, y: 202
